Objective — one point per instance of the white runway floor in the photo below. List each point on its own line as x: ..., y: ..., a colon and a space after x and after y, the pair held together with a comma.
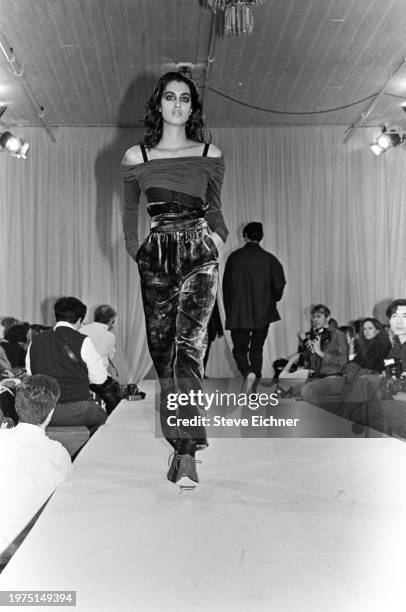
x: 277, y: 525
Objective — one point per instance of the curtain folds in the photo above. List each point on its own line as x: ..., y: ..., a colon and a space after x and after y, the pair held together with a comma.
x: 333, y: 214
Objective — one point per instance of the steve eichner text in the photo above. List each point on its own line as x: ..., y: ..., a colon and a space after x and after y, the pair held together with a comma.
x: 208, y: 400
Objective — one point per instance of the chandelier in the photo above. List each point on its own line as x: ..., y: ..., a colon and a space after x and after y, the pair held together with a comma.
x: 238, y: 14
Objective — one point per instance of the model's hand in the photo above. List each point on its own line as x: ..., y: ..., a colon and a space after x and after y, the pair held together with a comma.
x: 218, y: 241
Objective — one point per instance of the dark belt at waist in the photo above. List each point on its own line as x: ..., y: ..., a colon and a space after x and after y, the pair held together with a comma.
x: 160, y: 208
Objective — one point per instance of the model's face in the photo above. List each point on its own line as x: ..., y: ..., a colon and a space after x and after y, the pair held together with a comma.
x: 398, y: 323
x: 369, y: 330
x: 319, y: 320
x: 176, y: 103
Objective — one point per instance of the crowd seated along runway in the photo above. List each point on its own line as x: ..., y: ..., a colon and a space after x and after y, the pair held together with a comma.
x: 277, y: 523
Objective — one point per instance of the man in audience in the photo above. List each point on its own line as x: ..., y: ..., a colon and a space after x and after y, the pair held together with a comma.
x: 325, y: 347
x: 253, y: 283
x: 100, y: 332
x: 32, y: 465
x: 325, y: 352
x: 71, y: 358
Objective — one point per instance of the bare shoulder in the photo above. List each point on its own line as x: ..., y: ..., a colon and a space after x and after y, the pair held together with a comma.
x: 133, y: 156
x: 214, y: 151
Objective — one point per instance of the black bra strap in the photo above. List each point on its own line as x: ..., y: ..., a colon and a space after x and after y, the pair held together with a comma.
x: 205, y: 150
x: 144, y: 153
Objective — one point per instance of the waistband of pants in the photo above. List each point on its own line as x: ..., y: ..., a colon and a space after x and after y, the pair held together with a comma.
x: 166, y: 207
x: 176, y: 222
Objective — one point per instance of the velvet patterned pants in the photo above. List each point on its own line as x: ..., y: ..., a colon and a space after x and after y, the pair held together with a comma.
x: 179, y: 273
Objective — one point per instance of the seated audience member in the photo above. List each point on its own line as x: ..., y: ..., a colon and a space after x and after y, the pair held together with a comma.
x: 372, y: 346
x: 32, y: 465
x: 7, y: 322
x: 15, y: 338
x: 71, y: 358
x: 100, y: 332
x: 325, y: 349
x: 325, y: 354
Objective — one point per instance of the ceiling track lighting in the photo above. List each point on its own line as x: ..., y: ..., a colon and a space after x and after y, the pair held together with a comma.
x: 389, y: 138
x: 14, y: 145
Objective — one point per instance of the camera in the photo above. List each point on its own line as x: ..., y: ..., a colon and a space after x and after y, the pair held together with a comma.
x: 134, y: 393
x: 323, y: 333
x: 395, y: 380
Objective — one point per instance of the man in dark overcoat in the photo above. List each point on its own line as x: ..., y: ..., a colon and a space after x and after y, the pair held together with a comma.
x: 253, y: 283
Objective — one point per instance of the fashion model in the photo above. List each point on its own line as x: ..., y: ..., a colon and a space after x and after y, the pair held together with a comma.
x: 180, y: 173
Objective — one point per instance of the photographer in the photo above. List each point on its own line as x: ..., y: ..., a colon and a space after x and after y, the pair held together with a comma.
x: 325, y: 353
x: 323, y: 350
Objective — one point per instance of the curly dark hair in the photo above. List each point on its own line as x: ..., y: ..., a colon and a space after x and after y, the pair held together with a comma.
x: 377, y: 324
x: 196, y: 128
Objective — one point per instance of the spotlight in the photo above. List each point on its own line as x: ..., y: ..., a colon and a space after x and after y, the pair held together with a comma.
x: 14, y: 145
x: 388, y: 139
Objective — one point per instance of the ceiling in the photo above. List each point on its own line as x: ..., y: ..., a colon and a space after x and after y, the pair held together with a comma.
x: 94, y: 62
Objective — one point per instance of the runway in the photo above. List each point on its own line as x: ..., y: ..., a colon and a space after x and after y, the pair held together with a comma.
x: 277, y: 524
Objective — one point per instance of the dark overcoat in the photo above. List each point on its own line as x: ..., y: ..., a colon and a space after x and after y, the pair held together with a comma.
x: 253, y: 283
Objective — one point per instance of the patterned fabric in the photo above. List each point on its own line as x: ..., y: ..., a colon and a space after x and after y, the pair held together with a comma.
x: 179, y: 274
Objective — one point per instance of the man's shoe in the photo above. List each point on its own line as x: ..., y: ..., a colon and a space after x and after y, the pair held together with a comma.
x: 186, y: 474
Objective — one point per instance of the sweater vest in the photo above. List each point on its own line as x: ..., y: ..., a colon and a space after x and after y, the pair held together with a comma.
x: 56, y: 353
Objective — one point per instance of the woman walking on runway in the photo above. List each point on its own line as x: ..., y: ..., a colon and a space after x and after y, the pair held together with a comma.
x: 181, y: 174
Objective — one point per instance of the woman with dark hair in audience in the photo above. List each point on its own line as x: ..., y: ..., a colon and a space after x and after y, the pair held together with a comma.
x: 371, y: 346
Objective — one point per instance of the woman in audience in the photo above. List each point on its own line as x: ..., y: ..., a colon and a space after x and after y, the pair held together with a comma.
x: 371, y: 346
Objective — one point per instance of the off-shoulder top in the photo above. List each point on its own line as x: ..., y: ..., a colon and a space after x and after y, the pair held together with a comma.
x: 201, y: 177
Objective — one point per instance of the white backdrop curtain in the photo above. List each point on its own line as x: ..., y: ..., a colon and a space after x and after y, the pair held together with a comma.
x: 333, y: 213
